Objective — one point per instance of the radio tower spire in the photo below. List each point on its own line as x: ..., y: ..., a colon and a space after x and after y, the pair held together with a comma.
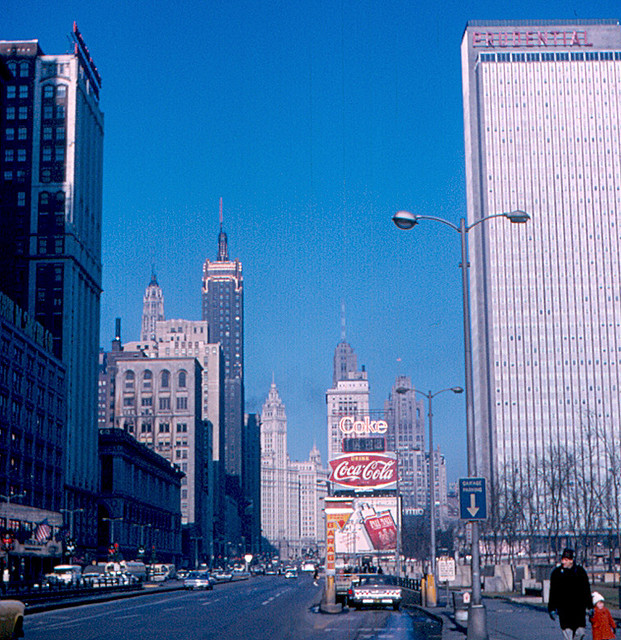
x: 223, y: 249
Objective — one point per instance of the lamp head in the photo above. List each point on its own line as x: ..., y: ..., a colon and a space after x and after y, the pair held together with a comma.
x: 518, y: 217
x: 457, y: 390
x: 405, y: 219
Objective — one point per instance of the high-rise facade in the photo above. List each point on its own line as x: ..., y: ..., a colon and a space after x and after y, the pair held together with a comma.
x: 51, y: 133
x: 223, y: 309
x: 292, y: 493
x: 404, y: 414
x: 158, y: 402
x: 542, y: 111
x: 152, y: 309
x: 275, y: 496
x: 348, y: 397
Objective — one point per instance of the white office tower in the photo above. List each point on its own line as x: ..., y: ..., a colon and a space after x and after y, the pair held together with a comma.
x: 542, y: 111
x: 275, y: 495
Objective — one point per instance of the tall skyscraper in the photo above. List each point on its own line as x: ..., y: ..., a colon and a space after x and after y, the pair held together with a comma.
x: 348, y: 397
x: 223, y: 308
x: 152, y: 309
x: 405, y: 416
x: 275, y: 496
x: 50, y: 215
x: 542, y: 110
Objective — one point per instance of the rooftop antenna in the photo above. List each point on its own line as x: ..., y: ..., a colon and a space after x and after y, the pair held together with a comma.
x: 223, y: 249
x: 343, y: 328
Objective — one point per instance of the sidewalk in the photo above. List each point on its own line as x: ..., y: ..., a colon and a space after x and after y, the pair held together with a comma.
x: 515, y: 619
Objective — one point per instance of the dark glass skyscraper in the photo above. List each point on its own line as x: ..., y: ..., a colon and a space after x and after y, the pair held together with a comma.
x: 51, y: 161
x: 223, y: 308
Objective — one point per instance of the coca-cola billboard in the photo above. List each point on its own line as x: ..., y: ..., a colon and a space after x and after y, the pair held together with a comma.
x: 364, y: 470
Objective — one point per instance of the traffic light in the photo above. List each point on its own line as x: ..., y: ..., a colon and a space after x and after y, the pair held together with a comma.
x: 8, y: 541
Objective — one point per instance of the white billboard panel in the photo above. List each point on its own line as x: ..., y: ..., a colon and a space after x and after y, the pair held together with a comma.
x: 372, y: 528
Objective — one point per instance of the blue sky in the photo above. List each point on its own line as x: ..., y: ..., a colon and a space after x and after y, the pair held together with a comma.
x: 314, y: 121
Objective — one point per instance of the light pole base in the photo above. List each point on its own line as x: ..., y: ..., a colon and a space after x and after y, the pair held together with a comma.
x: 432, y: 594
x: 477, y: 623
x: 326, y: 607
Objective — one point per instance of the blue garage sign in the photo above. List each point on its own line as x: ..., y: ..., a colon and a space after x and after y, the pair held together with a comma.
x: 472, y: 499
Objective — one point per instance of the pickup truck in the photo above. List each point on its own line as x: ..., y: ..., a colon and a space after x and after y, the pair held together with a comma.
x: 375, y: 590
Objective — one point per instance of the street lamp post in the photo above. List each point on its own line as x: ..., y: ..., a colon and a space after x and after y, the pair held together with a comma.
x: 70, y: 544
x: 432, y: 599
x: 477, y: 624
x: 112, y: 521
x: 70, y: 513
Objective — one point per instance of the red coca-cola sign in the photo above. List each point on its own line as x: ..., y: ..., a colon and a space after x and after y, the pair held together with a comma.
x: 369, y: 470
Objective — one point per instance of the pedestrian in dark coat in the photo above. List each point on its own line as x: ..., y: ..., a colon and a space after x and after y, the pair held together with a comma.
x: 570, y: 596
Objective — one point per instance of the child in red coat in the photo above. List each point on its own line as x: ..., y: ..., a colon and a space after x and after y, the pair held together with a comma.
x: 603, y: 626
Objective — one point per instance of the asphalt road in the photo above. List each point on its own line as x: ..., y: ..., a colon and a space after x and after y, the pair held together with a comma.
x: 262, y: 608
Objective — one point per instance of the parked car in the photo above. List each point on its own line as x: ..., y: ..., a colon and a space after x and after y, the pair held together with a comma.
x: 198, y: 580
x: 11, y: 619
x: 65, y: 574
x: 375, y: 590
x: 291, y: 572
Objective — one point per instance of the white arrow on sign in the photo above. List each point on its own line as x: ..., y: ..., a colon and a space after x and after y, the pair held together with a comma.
x: 472, y: 509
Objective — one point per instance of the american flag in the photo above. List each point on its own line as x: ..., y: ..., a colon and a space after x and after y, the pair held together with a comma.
x: 43, y: 530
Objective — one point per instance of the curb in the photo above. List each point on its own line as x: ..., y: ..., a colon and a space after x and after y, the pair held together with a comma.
x: 94, y: 599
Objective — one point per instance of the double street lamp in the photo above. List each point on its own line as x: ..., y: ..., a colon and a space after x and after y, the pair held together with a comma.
x: 431, y: 591
x: 477, y: 625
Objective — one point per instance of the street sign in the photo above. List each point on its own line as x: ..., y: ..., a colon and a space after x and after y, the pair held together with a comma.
x: 446, y: 569
x: 472, y: 499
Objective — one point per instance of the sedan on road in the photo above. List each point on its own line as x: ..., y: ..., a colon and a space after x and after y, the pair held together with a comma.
x: 11, y: 619
x: 198, y: 580
x: 375, y: 590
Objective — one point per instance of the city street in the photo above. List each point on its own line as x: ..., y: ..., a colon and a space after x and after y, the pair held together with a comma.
x: 267, y: 607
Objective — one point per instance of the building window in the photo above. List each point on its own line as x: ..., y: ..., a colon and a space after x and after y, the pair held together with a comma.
x: 164, y: 403
x: 10, y: 113
x: 46, y: 154
x: 165, y: 380
x: 21, y: 199
x: 182, y: 379
x: 9, y: 155
x: 23, y: 113
x: 61, y: 91
x: 47, y: 133
x: 130, y: 377
x: 11, y: 91
x: 182, y: 403
x: 164, y: 427
x: 9, y: 134
x: 22, y: 133
x: 21, y: 155
x: 23, y: 91
x: 182, y: 427
x: 48, y: 91
x: 23, y: 69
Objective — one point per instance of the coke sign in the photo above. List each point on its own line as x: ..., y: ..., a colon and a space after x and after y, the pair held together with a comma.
x: 365, y: 427
x: 365, y: 470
